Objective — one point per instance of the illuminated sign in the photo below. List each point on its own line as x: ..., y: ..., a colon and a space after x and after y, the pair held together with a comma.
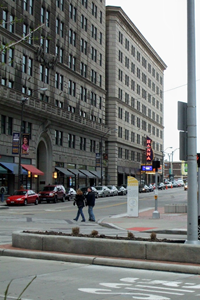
x: 147, y: 168
x: 149, y: 150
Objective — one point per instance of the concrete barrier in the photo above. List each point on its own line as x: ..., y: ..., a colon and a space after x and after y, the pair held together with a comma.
x: 175, y: 208
x: 159, y: 251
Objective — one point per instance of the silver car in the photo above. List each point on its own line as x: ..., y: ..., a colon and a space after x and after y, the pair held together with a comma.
x: 103, y: 191
x: 113, y: 190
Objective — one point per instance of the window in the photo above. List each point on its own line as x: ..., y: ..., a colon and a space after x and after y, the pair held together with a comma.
x: 133, y: 68
x: 30, y: 66
x: 11, y: 24
x: 138, y: 139
x: 72, y: 62
x: 93, y: 76
x: 138, y: 122
x: 119, y: 152
x: 126, y: 134
x: 120, y: 38
x: 127, y: 44
x: 100, y: 59
x: 82, y: 143
x: 24, y: 63
x: 71, y: 140
x: 10, y: 84
x: 83, y: 46
x: 100, y: 38
x: 132, y: 155
x: 3, y: 124
x: 83, y: 22
x: 120, y: 94
x: 58, y: 137
x: 92, y: 146
x: 83, y: 70
x: 127, y: 116
x: 100, y: 16
x: 94, y: 9
x: 5, y: 19
x: 120, y: 113
x: 72, y: 37
x: 120, y: 56
x: 83, y: 94
x: 132, y: 102
x: 133, y: 137
x: 126, y: 154
x: 93, y: 99
x: 119, y: 131
x: 85, y: 3
x: 127, y: 98
x: 132, y: 119
x: 10, y: 125
x: 72, y: 12
x: 29, y: 129
x: 72, y: 88
x: 94, y: 32
x: 11, y: 57
x: 133, y: 51
x: 44, y: 74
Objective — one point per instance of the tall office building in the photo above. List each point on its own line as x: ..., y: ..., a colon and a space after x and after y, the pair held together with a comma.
x: 134, y: 100
x: 81, y: 86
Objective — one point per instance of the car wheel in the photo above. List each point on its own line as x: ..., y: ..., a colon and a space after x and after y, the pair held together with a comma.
x: 25, y: 202
x: 36, y: 201
x: 63, y: 198
x: 48, y: 201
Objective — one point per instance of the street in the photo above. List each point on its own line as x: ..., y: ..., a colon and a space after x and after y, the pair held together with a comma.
x: 61, y: 280
x: 59, y: 217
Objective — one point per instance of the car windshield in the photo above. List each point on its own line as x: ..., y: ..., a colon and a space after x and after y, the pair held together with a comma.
x: 48, y: 188
x: 99, y: 188
x: 20, y: 193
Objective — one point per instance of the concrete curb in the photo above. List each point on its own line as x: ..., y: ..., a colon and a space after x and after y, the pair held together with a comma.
x: 157, y: 251
x: 104, y: 261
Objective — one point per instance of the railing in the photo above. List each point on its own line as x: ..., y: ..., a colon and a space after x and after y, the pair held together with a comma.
x: 9, y: 95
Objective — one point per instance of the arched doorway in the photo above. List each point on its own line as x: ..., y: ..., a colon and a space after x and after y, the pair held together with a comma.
x: 44, y: 160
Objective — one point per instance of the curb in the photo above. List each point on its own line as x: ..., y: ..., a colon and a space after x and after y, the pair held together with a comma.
x: 104, y: 261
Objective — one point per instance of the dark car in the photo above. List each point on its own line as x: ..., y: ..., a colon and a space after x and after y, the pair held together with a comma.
x: 23, y: 197
x: 52, y: 193
x: 84, y: 190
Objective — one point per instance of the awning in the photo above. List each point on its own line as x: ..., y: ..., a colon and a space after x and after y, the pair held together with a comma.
x: 65, y: 171
x: 32, y: 169
x: 87, y: 173
x: 96, y: 173
x: 12, y: 167
x: 77, y: 173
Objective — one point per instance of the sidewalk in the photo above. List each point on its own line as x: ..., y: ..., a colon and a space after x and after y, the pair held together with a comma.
x: 174, y: 223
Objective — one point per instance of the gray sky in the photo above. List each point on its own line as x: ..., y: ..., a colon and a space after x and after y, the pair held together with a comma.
x: 164, y: 24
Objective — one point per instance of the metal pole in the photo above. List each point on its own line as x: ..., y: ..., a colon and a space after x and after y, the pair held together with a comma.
x: 192, y: 218
x: 20, y: 144
x: 101, y: 154
x: 156, y: 214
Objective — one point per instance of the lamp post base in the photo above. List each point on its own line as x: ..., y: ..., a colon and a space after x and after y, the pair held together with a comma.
x: 156, y: 215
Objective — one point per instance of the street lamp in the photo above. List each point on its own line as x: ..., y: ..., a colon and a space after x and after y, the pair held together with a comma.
x: 101, y: 151
x: 23, y: 101
x: 163, y: 155
x: 172, y: 159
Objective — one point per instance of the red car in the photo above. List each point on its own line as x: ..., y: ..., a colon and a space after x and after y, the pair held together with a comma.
x: 23, y: 197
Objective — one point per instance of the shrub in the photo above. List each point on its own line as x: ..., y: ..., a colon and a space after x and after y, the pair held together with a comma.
x: 94, y: 233
x: 75, y: 231
x: 153, y: 236
x: 130, y: 235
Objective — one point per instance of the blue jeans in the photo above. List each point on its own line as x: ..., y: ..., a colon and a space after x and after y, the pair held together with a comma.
x: 91, y: 214
x: 80, y: 212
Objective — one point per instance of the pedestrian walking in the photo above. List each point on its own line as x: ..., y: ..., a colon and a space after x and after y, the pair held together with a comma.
x: 90, y: 203
x: 79, y: 201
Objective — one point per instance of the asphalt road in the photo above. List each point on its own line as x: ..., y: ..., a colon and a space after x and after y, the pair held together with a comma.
x: 59, y: 216
x: 70, y: 281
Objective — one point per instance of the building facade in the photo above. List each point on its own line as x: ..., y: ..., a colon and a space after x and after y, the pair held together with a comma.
x: 64, y: 87
x: 134, y: 102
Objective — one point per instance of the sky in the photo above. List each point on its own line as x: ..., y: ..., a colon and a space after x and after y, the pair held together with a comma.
x: 163, y: 23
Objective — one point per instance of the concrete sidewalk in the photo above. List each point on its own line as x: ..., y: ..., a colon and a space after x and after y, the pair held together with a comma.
x: 174, y: 224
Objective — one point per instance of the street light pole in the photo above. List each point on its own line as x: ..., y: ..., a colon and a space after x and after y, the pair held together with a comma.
x: 101, y: 151
x: 23, y: 101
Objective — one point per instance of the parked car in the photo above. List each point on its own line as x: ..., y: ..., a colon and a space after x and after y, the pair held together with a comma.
x: 52, y: 193
x: 161, y: 186
x: 151, y: 188
x: 70, y: 194
x: 113, y: 190
x: 145, y: 189
x: 103, y: 191
x: 122, y: 190
x: 23, y: 197
x: 84, y: 190
x: 169, y: 184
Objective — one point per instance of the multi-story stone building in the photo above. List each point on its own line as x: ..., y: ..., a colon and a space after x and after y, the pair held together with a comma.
x: 60, y: 92
x: 134, y: 101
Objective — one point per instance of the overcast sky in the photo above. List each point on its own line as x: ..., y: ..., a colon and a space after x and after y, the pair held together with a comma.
x: 164, y: 24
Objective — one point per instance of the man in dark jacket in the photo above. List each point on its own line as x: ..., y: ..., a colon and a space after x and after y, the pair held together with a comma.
x: 90, y: 203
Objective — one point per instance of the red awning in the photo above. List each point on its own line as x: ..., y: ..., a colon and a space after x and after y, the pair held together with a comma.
x: 32, y: 169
